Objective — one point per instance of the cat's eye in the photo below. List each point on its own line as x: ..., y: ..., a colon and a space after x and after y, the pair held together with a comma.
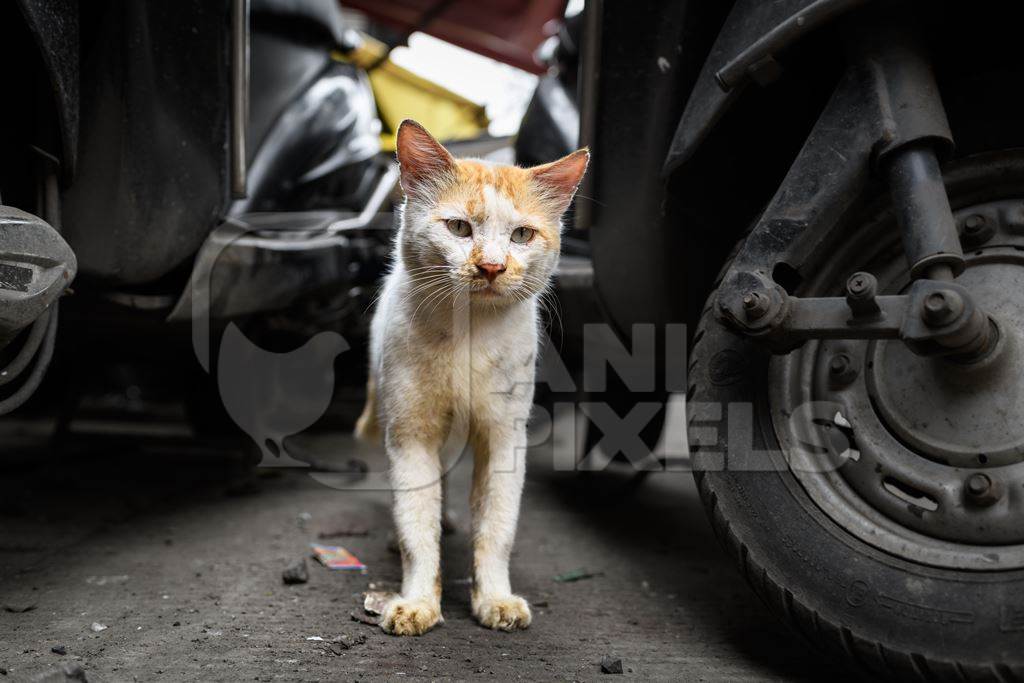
x: 459, y: 228
x: 523, y: 235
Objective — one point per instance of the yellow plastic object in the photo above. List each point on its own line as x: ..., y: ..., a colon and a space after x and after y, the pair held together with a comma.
x: 401, y: 94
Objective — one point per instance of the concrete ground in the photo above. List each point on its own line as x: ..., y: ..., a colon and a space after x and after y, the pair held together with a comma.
x: 180, y: 556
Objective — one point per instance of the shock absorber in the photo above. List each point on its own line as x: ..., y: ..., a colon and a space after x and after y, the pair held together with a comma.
x: 916, y: 136
x: 929, y: 234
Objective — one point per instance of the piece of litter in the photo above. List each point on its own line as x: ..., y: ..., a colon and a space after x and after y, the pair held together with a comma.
x: 317, y: 638
x: 296, y: 572
x: 364, y: 618
x: 97, y: 627
x: 336, y: 557
x: 611, y: 666
x: 374, y: 602
x: 59, y: 650
x: 576, y: 575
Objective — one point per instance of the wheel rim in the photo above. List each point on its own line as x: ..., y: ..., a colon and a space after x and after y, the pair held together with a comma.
x: 921, y: 459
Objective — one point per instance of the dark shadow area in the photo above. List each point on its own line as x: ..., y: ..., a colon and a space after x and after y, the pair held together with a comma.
x: 659, y: 521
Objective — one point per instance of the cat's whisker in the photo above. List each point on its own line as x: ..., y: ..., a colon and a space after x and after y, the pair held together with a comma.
x: 427, y: 278
x: 426, y: 299
x: 426, y: 282
x: 450, y: 293
x: 552, y: 304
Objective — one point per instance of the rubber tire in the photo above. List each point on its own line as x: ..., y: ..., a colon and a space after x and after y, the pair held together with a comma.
x: 889, y: 617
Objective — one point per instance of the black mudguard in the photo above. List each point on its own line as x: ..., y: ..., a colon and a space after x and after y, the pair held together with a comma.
x: 152, y: 176
x: 744, y: 52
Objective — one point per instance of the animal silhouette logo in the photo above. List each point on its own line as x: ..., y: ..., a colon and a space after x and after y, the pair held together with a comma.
x: 272, y: 396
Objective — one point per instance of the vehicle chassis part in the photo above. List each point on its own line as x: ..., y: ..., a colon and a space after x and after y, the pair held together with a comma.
x: 36, y: 266
x: 936, y: 317
x: 920, y: 459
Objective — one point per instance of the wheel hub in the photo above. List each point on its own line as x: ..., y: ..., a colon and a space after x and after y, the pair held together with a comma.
x: 961, y: 415
x: 925, y: 457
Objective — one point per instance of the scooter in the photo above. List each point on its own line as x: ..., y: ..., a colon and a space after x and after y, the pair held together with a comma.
x: 162, y: 124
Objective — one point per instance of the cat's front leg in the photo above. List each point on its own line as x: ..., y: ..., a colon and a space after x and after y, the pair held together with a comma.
x: 499, y: 470
x: 416, y: 480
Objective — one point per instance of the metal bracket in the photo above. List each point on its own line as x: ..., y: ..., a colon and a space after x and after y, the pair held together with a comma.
x: 934, y: 318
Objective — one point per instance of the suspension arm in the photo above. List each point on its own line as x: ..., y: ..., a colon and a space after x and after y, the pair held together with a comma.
x: 937, y: 317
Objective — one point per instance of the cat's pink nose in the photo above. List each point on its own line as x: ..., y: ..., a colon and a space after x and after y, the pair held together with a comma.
x: 491, y: 270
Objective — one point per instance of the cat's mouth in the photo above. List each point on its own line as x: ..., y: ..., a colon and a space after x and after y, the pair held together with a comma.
x: 498, y: 289
x: 488, y: 290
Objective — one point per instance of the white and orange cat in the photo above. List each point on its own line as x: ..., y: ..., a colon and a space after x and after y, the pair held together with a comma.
x: 454, y: 343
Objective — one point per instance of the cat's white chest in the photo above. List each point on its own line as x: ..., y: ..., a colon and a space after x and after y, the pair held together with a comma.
x: 493, y: 362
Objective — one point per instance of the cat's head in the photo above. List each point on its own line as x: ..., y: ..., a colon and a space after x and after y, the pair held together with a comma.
x: 494, y: 231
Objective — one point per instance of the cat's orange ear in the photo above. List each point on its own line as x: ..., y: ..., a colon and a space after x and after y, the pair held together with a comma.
x: 559, y: 179
x: 425, y: 164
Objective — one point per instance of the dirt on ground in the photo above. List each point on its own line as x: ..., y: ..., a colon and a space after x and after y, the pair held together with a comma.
x: 123, y: 564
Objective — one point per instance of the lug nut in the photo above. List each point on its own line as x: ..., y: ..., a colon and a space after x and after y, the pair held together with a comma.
x: 974, y: 224
x: 756, y: 305
x: 941, y: 308
x: 841, y: 369
x: 976, y: 231
x: 978, y: 484
x: 981, y: 490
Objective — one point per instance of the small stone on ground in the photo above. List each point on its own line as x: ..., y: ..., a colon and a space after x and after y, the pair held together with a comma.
x: 297, y: 572
x: 611, y: 666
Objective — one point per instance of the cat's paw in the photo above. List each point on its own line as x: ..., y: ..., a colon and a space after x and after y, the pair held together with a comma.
x: 502, y: 612
x: 412, y: 617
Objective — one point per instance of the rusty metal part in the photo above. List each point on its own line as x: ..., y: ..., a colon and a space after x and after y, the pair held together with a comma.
x: 929, y: 452
x: 935, y: 318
